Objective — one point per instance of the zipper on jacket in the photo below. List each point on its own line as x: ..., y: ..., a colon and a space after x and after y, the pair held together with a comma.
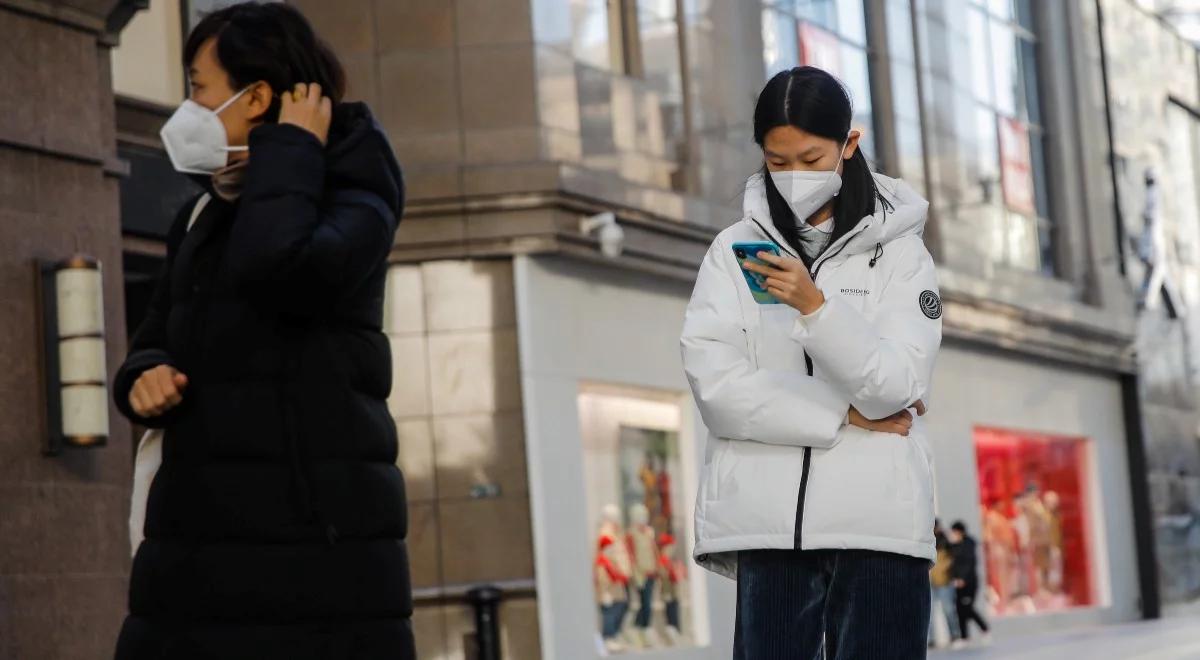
x: 803, y: 472
x: 808, y: 365
x: 824, y: 258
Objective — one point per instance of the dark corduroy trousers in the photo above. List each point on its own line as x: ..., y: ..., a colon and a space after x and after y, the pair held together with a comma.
x: 832, y: 604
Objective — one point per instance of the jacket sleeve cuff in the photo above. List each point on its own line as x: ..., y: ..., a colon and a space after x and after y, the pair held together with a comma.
x: 815, y: 316
x: 829, y: 321
x: 837, y: 335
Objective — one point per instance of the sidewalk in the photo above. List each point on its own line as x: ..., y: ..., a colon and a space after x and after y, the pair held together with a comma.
x: 1166, y: 639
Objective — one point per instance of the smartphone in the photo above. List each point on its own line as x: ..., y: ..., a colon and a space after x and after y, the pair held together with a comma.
x: 748, y: 251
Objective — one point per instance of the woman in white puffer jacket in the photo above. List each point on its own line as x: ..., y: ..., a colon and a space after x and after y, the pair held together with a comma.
x: 817, y: 495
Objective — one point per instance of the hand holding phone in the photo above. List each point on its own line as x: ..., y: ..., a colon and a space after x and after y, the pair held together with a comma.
x: 748, y: 251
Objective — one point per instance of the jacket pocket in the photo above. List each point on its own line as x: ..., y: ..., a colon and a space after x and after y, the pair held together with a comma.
x: 860, y: 487
x: 920, y: 474
x: 715, y: 474
x: 751, y: 351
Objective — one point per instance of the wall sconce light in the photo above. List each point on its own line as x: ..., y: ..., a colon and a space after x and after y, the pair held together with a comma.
x: 73, y: 348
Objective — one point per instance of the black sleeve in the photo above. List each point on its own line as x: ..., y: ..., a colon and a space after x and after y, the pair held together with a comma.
x: 289, y: 243
x: 148, y: 348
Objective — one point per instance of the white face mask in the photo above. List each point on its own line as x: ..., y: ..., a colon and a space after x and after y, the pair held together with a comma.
x: 195, y: 137
x: 805, y: 192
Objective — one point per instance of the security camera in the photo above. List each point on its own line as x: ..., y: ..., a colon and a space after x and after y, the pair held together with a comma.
x: 611, y: 236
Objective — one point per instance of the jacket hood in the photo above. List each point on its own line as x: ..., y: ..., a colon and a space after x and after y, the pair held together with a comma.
x: 907, y: 216
x: 359, y: 156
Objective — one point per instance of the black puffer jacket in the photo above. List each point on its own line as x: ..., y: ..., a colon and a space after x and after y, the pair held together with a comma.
x: 275, y: 527
x: 964, y: 565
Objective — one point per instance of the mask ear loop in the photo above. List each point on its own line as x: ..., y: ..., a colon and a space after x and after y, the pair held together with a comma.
x: 841, y: 160
x: 842, y: 152
x: 226, y: 104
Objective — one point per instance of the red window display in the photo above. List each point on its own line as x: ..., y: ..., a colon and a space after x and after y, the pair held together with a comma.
x: 1036, y: 536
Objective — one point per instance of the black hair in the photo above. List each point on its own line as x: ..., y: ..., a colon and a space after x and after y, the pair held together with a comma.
x: 959, y: 526
x: 272, y: 42
x: 813, y: 101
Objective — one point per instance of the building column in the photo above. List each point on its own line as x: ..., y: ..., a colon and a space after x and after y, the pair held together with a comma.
x: 64, y: 550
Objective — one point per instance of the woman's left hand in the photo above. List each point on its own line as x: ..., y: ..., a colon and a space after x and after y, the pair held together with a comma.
x: 788, y: 280
x: 305, y: 107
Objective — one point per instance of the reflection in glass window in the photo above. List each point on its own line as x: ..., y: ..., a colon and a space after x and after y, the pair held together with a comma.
x: 636, y: 471
x: 1004, y: 69
x: 818, y: 12
x: 630, y: 88
x: 986, y: 165
x: 850, y: 22
x: 855, y: 76
x: 780, y: 51
x: 981, y: 77
x: 1031, y: 108
x: 1001, y: 138
x: 659, y: 66
x: 590, y: 19
x: 196, y: 9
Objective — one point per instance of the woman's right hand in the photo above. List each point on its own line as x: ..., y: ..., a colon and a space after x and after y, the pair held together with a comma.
x: 304, y: 106
x: 157, y: 390
x: 900, y: 423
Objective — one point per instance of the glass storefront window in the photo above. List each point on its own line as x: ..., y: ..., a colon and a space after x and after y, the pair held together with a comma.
x: 639, y: 496
x: 660, y: 68
x: 1035, y: 508
x: 196, y: 9
x: 780, y: 50
x: 1031, y: 106
x: 856, y: 76
x: 1000, y: 136
x: 1004, y: 70
x: 630, y: 82
x: 981, y: 77
x: 590, y: 23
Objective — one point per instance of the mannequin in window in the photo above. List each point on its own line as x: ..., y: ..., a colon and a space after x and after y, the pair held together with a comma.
x: 649, y: 479
x: 612, y: 593
x: 670, y: 575
x: 612, y: 525
x: 643, y: 548
x: 664, y: 498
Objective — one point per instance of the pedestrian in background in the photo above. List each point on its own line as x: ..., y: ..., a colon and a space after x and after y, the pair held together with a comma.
x: 275, y: 525
x: 942, y: 587
x: 965, y: 573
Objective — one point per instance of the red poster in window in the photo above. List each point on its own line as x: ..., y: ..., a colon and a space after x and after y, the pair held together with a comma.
x: 1016, y: 168
x: 820, y: 48
x: 1033, y: 491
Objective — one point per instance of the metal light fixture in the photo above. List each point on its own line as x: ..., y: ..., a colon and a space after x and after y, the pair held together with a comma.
x: 73, y: 351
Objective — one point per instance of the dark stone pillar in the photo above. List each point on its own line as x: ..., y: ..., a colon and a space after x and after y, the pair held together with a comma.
x: 64, y: 551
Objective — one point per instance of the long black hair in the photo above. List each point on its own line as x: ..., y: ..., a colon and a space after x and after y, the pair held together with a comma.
x: 272, y: 42
x: 813, y: 101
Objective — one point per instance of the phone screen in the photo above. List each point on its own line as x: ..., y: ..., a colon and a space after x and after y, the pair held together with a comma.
x: 748, y: 251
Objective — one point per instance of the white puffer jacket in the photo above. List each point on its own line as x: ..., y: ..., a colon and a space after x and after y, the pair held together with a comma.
x: 782, y: 467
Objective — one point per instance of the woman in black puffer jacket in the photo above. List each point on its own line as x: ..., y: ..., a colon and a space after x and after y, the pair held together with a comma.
x: 275, y: 527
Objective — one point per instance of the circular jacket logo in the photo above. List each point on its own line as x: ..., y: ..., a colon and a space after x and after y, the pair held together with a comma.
x: 931, y: 304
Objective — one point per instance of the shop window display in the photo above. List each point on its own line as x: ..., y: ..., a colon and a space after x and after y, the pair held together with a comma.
x: 636, y: 490
x: 1034, y: 506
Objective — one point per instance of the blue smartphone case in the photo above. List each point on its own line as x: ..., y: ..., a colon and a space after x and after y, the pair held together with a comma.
x: 746, y: 251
